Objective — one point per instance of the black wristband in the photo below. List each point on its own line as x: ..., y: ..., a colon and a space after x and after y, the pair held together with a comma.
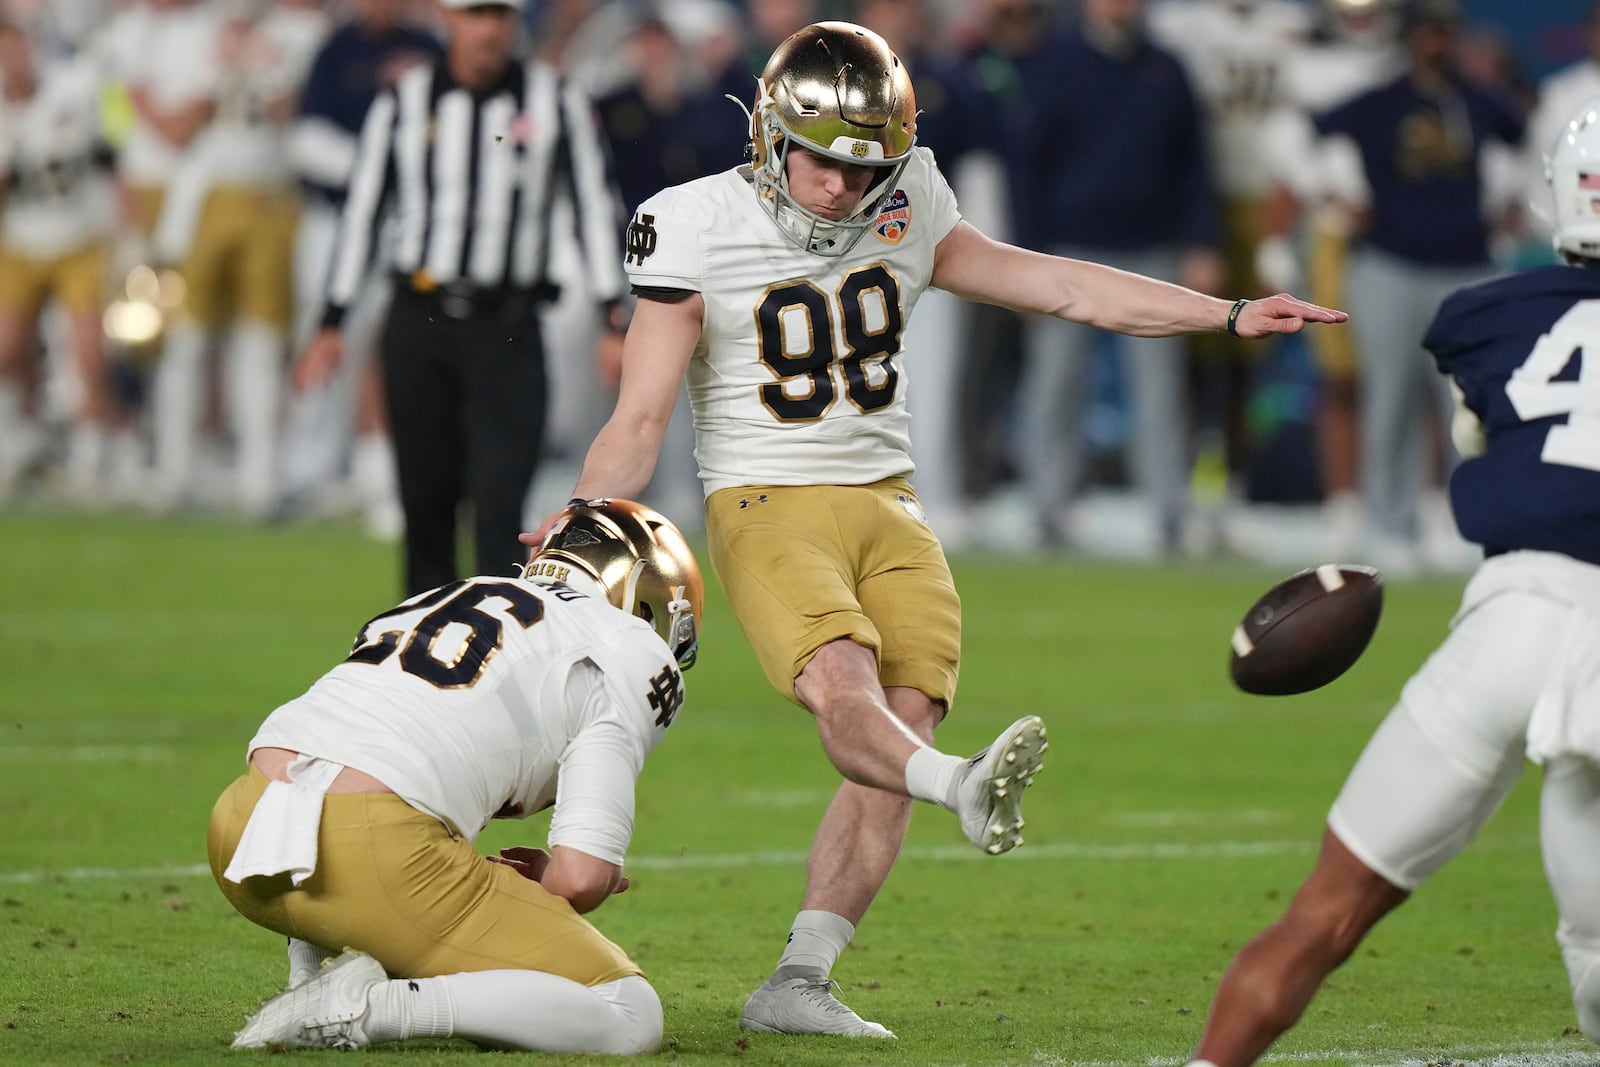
x: 1233, y: 315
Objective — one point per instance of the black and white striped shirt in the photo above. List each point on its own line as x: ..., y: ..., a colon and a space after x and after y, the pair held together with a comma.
x: 471, y: 178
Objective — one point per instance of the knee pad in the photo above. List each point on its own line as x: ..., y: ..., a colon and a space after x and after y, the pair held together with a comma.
x: 1582, y: 955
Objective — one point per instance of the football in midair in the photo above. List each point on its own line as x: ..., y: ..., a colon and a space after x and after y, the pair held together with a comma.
x: 1307, y: 630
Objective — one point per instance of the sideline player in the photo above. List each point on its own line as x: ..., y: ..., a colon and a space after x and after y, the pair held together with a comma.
x: 1517, y: 676
x: 782, y: 290
x: 485, y: 698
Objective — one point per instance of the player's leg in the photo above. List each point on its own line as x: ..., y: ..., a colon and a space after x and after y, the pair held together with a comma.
x: 504, y: 425
x: 477, y: 951
x: 1569, y: 829
x: 893, y: 590
x: 1272, y: 979
x: 1054, y: 397
x: 352, y: 1003
x: 1337, y: 412
x: 80, y: 289
x: 1390, y: 423
x: 254, y: 373
x: 1431, y: 776
x: 22, y: 294
x: 421, y: 382
x: 1160, y: 446
x: 178, y: 393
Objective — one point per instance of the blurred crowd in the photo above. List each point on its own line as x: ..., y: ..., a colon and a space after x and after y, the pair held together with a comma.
x: 173, y: 171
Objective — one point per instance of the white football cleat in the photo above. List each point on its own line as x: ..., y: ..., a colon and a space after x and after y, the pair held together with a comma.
x: 305, y: 961
x: 800, y: 1000
x: 991, y: 791
x: 324, y: 1012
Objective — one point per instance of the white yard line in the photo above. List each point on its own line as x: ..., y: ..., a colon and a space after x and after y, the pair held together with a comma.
x: 88, y: 754
x: 1065, y: 850
x: 1574, y: 1054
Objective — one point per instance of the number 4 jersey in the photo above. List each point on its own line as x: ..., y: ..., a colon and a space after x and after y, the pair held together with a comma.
x: 496, y: 697
x: 798, y: 379
x: 1525, y: 349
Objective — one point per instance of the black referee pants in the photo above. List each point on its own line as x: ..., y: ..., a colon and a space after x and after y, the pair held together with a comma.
x: 466, y: 399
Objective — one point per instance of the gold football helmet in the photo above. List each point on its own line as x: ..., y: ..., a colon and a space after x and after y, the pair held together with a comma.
x: 836, y: 89
x: 639, y: 560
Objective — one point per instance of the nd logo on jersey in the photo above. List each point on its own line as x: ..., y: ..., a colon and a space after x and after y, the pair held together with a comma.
x: 894, y: 217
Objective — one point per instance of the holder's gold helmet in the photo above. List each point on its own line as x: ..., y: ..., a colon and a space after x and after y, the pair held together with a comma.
x: 640, y: 562
x: 839, y: 90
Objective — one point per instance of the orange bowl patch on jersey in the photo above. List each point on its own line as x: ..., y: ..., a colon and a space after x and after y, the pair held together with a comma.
x: 894, y: 217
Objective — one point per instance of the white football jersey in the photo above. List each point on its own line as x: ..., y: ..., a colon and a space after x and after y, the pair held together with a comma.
x: 495, y: 698
x: 799, y: 378
x: 260, y: 63
x: 169, y: 54
x: 1236, y: 55
x: 60, y: 199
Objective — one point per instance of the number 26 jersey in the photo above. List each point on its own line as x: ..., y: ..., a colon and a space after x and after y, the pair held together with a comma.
x: 496, y: 697
x: 1525, y: 349
x: 799, y: 378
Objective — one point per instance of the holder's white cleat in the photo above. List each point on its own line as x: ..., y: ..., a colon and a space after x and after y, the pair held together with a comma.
x: 323, y: 1012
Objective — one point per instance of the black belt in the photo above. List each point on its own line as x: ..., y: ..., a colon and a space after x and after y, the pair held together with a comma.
x: 458, y: 301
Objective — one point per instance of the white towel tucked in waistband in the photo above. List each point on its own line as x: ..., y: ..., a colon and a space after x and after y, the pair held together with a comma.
x: 282, y: 832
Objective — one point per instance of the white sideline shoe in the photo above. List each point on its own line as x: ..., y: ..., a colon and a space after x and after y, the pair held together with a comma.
x: 798, y: 1000
x: 991, y: 791
x: 324, y: 1012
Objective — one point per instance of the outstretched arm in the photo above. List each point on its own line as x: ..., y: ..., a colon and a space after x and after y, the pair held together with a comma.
x: 974, y: 266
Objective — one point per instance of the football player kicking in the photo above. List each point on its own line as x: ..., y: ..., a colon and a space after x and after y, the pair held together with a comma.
x: 485, y: 698
x: 782, y: 290
x: 1519, y: 675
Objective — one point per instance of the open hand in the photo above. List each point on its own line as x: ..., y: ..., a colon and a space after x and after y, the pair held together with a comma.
x: 528, y: 862
x: 1281, y: 314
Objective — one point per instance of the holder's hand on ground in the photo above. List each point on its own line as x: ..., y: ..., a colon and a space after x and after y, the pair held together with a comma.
x: 319, y: 359
x: 1281, y: 314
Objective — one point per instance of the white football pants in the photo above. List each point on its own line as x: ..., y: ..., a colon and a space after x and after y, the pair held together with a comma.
x: 1451, y: 750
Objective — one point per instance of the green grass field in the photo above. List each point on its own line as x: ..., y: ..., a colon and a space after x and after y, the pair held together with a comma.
x: 1172, y: 820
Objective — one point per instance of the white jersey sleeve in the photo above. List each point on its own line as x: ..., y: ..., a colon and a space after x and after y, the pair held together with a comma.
x: 625, y: 708
x: 799, y: 378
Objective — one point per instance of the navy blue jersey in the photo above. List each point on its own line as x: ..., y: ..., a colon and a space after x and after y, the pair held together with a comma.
x: 1421, y: 155
x: 1525, y: 349
x: 353, y: 64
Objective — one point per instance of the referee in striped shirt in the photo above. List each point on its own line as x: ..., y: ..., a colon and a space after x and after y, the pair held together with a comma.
x: 469, y: 153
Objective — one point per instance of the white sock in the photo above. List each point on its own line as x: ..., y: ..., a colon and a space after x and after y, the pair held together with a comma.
x: 86, y: 455
x: 522, y: 1010
x: 253, y: 377
x: 175, y: 406
x: 1201, y: 1063
x: 372, y: 468
x: 817, y: 939
x: 933, y: 776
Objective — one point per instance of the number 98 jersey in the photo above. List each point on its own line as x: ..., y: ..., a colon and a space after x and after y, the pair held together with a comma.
x: 798, y: 379
x: 1525, y: 349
